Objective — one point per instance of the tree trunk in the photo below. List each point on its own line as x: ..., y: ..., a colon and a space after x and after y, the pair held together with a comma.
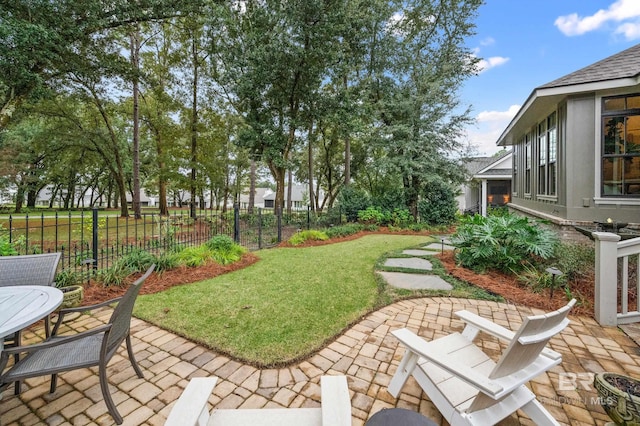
x: 252, y: 186
x: 135, y: 61
x: 289, y: 191
x: 194, y: 127
x: 312, y: 203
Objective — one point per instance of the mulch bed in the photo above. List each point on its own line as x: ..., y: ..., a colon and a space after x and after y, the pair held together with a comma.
x: 494, y: 282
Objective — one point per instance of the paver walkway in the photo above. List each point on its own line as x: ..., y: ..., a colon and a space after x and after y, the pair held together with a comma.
x: 367, y: 354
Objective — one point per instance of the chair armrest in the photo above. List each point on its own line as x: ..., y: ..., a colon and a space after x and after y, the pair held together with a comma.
x: 49, y: 343
x: 336, y: 402
x: 502, y: 333
x: 62, y: 312
x: 428, y: 351
x: 191, y: 408
x: 56, y: 341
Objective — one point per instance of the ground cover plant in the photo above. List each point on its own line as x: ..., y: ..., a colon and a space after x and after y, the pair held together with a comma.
x: 283, y: 307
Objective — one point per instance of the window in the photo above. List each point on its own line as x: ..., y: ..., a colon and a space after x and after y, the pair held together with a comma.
x: 547, y: 155
x: 542, y: 158
x: 621, y: 147
x: 515, y: 159
x: 552, y: 136
x: 527, y: 164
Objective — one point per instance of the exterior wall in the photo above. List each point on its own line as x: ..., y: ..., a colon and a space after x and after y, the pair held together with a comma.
x: 578, y: 168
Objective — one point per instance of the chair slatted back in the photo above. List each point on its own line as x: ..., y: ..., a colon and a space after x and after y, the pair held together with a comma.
x: 525, y: 347
x: 121, y: 317
x: 31, y: 269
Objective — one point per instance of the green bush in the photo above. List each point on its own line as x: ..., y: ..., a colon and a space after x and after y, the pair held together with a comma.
x: 312, y: 234
x: 114, y: 275
x: 504, y: 242
x: 437, y: 204
x: 166, y: 261
x: 352, y: 200
x: 575, y: 260
x: 400, y: 217
x: 371, y: 215
x: 194, y: 256
x: 221, y: 242
x: 69, y: 277
x: 346, y: 230
x: 138, y: 260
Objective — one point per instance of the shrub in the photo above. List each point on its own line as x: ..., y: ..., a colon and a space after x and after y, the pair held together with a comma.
x: 221, y: 242
x: 194, y: 256
x: 437, y: 205
x: 312, y: 234
x: 352, y: 200
x: 114, y: 275
x: 166, y: 262
x: 400, y: 217
x: 345, y: 230
x: 138, y: 260
x: 371, y: 215
x: 501, y: 242
x: 69, y: 277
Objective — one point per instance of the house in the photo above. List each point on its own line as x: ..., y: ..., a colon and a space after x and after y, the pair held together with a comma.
x: 299, y: 197
x: 576, y: 145
x: 258, y: 199
x: 489, y: 184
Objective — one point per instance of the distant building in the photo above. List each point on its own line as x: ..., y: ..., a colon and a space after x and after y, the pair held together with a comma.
x: 489, y: 186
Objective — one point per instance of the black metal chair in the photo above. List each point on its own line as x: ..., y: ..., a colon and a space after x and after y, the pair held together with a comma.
x: 95, y: 347
x: 30, y: 269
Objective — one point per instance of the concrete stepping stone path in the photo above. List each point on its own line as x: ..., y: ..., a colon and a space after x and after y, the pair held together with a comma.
x: 415, y: 281
x: 409, y: 263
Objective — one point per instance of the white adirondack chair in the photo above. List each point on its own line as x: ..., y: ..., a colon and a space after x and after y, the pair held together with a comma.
x: 467, y: 386
x: 191, y: 408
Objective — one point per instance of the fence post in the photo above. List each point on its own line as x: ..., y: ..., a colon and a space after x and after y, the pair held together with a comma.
x: 279, y: 222
x: 259, y: 228
x: 94, y: 232
x: 606, y: 291
x: 236, y: 223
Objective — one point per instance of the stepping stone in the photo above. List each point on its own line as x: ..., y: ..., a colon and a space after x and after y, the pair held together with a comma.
x: 439, y: 247
x: 415, y: 281
x: 417, y: 252
x: 410, y: 263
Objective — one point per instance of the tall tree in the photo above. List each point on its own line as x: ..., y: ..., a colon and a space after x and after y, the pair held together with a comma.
x: 41, y: 39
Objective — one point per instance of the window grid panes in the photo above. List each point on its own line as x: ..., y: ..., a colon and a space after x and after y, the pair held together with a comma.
x: 621, y: 147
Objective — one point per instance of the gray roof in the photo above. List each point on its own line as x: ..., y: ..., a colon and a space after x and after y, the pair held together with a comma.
x: 624, y: 64
x: 496, y: 172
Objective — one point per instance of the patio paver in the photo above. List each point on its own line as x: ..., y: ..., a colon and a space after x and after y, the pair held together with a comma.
x: 366, y: 353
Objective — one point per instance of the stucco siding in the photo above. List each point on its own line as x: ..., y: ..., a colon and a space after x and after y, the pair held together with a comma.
x: 580, y: 148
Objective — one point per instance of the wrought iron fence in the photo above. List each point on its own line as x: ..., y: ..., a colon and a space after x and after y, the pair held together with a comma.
x: 92, y: 239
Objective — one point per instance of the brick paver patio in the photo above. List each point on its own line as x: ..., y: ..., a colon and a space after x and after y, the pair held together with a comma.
x: 367, y: 354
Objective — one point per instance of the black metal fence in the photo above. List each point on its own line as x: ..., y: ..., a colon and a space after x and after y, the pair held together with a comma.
x: 94, y: 239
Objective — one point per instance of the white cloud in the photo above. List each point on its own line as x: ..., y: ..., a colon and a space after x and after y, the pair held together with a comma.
x: 490, y: 125
x: 487, y: 41
x: 619, y: 11
x: 499, y: 116
x: 492, y: 62
x: 631, y: 31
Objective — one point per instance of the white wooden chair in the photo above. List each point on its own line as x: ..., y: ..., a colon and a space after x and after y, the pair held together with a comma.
x: 470, y: 388
x: 192, y: 408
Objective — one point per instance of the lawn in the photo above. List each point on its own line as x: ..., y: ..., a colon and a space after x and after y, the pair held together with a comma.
x: 282, y: 308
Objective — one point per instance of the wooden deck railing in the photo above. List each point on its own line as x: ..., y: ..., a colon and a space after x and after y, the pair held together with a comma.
x: 617, y: 292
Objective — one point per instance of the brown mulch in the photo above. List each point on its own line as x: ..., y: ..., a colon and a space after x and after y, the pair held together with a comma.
x: 492, y: 281
x: 514, y: 292
x: 96, y: 293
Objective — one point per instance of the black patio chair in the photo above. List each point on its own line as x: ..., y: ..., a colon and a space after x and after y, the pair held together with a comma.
x: 94, y: 347
x: 30, y: 269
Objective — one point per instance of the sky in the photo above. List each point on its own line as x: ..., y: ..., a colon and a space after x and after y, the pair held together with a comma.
x: 524, y: 44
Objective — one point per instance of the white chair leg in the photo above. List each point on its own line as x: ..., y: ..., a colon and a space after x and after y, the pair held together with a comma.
x: 405, y: 369
x: 539, y: 414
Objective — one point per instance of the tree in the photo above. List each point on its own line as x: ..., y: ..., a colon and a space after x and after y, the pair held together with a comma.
x: 41, y: 40
x: 275, y: 56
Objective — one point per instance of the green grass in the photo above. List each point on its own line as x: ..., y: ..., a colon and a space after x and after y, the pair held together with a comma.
x: 281, y: 308
x: 285, y: 306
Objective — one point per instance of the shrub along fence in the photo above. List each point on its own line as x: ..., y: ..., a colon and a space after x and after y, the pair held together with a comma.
x: 93, y: 239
